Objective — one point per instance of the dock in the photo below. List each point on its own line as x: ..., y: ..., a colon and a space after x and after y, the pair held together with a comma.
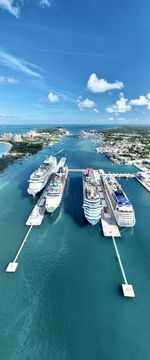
x: 37, y: 215
x: 108, y: 222
x: 146, y: 186
x: 76, y: 170
x: 12, y: 266
x: 102, y: 173
x: 127, y: 289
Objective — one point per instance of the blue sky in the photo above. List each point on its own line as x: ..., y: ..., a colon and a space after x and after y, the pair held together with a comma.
x: 74, y: 61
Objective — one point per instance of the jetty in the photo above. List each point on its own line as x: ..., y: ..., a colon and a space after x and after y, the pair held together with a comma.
x: 12, y: 266
x: 37, y: 215
x: 127, y: 289
x: 102, y: 173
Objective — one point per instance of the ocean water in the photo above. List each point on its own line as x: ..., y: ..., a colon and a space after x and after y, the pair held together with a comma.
x: 64, y: 302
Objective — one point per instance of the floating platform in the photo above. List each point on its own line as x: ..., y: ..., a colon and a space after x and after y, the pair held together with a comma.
x: 128, y: 290
x: 36, y: 216
x: 12, y: 266
x: 109, y: 229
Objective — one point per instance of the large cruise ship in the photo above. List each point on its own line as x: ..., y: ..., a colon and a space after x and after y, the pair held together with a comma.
x: 120, y: 204
x: 39, y: 177
x: 56, y: 189
x: 91, y: 199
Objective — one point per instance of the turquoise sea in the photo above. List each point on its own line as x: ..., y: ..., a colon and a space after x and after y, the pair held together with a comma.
x: 4, y: 147
x: 65, y: 302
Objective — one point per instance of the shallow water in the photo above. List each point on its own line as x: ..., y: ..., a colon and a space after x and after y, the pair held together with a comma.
x: 4, y: 148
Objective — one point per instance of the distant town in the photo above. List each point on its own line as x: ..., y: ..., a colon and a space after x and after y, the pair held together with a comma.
x: 124, y: 145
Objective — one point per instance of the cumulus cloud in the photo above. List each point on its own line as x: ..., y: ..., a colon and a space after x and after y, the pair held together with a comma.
x: 85, y: 104
x: 141, y: 101
x: 121, y: 106
x: 101, y: 85
x: 53, y: 98
x: 18, y: 64
x: 7, y: 80
x: 11, y: 7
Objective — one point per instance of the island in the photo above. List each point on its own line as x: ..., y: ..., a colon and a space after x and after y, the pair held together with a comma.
x: 22, y: 145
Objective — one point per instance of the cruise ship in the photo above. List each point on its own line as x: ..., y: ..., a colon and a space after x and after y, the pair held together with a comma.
x: 120, y: 204
x: 91, y: 199
x: 56, y: 189
x: 39, y: 177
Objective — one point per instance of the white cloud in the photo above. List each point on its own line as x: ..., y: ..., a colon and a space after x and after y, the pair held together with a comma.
x: 53, y: 98
x: 14, y: 9
x: 141, y: 101
x: 46, y: 3
x: 121, y: 106
x: 101, y: 85
x: 7, y: 80
x: 17, y: 64
x: 9, y: 6
x: 85, y: 104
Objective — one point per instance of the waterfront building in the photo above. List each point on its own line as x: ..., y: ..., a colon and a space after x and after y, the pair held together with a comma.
x: 7, y: 136
x: 16, y: 138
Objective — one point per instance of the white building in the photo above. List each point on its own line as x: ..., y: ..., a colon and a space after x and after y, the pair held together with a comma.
x: 16, y: 138
x: 7, y: 136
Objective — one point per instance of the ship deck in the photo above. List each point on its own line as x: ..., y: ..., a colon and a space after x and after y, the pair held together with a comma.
x: 40, y: 210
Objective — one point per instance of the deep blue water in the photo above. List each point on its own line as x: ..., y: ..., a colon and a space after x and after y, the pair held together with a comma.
x: 64, y: 302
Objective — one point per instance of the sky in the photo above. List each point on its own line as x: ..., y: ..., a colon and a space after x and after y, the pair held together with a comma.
x: 75, y: 61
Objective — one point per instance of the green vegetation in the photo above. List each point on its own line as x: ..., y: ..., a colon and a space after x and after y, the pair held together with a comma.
x: 30, y: 146
x: 25, y: 148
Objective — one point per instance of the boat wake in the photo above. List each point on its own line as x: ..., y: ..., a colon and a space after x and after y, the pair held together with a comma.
x: 59, y: 151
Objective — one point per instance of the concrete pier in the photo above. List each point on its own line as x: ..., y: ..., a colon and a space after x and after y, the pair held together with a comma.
x: 108, y: 222
x: 127, y: 289
x: 12, y: 266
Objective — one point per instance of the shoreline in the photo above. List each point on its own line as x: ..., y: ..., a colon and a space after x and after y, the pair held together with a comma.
x: 19, y: 150
x: 9, y: 146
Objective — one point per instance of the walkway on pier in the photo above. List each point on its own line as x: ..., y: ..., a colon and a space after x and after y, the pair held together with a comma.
x: 76, y: 170
x: 127, y: 289
x: 123, y: 175
x: 12, y: 266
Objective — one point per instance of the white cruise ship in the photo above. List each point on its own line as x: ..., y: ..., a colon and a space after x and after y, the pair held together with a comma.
x: 56, y: 189
x: 120, y: 204
x: 91, y: 199
x: 39, y: 177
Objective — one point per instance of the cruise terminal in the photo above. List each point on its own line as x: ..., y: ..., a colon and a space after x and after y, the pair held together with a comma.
x: 104, y: 202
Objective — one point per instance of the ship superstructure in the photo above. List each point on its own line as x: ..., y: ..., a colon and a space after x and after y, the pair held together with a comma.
x: 91, y: 200
x: 56, y: 189
x: 40, y: 176
x: 119, y: 202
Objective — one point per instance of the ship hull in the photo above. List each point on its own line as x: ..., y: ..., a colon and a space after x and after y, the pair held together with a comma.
x: 123, y: 218
x: 92, y: 206
x: 52, y: 203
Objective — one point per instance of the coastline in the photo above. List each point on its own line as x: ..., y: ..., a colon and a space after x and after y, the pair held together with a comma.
x: 22, y: 149
x: 9, y: 146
